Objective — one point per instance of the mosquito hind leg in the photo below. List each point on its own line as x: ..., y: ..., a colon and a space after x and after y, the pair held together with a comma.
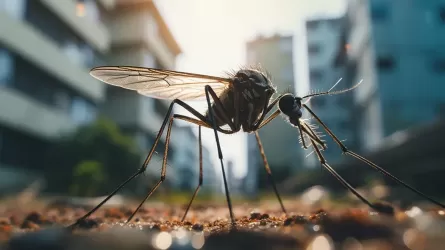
x: 164, y: 163
x: 209, y: 91
x: 268, y: 171
x: 139, y: 172
x: 370, y: 163
x: 163, y: 170
x: 200, y: 175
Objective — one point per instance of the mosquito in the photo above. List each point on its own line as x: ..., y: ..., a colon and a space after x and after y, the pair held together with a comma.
x: 241, y: 101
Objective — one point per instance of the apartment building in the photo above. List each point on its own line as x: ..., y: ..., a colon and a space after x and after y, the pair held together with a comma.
x: 46, y: 50
x: 140, y: 37
x: 396, y: 47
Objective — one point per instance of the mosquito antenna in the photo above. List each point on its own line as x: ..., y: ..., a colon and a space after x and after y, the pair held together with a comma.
x: 334, y: 92
x: 310, y: 96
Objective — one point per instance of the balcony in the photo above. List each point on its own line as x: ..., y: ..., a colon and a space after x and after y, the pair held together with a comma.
x: 29, y: 43
x: 140, y: 27
x: 21, y: 112
x: 92, y: 31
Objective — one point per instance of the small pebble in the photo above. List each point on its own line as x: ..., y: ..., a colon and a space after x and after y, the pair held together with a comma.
x: 34, y: 217
x: 264, y: 216
x: 288, y: 221
x: 88, y: 223
x: 384, y: 208
x: 255, y: 216
x: 198, y: 227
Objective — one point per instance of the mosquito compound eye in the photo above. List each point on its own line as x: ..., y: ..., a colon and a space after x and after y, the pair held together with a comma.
x: 286, y: 104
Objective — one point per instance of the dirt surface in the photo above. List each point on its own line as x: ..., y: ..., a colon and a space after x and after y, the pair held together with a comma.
x: 258, y: 226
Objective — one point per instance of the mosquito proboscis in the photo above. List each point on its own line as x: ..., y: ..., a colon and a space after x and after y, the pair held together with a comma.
x: 241, y: 101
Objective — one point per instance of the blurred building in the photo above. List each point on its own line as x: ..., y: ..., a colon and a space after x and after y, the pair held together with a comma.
x: 356, y: 55
x: 323, y: 38
x: 140, y: 37
x: 185, y: 159
x: 211, y: 177
x: 46, y: 50
x: 397, y: 46
x: 280, y: 140
x: 235, y: 184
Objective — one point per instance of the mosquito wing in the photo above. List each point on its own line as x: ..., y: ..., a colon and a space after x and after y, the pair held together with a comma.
x: 160, y: 84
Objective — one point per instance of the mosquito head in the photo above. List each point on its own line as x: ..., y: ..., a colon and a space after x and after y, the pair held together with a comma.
x: 290, y: 106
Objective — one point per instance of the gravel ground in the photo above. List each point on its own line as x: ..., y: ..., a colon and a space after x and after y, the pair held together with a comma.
x: 259, y: 226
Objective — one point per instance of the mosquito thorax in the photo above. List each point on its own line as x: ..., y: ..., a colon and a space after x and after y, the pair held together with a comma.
x: 290, y: 106
x: 255, y: 79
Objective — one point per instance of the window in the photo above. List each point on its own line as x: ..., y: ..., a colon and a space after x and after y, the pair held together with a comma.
x: 385, y: 62
x: 379, y: 11
x: 312, y: 25
x: 20, y: 150
x: 335, y: 23
x: 92, y: 10
x: 6, y: 67
x: 50, y: 25
x: 442, y: 14
x: 438, y: 65
x: 314, y: 49
x: 316, y: 75
x: 82, y: 112
x: 15, y: 8
x: 62, y: 100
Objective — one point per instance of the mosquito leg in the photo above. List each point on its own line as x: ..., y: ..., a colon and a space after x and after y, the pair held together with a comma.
x: 301, y: 135
x: 338, y: 177
x: 266, y: 110
x: 222, y: 112
x: 268, y: 171
x: 140, y: 171
x: 269, y: 119
x: 368, y: 162
x: 149, y: 156
x: 208, y: 89
x: 312, y: 135
x: 163, y: 170
x: 200, y: 174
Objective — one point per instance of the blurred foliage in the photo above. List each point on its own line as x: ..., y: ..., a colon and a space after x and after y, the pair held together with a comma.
x: 98, y: 153
x: 87, y: 178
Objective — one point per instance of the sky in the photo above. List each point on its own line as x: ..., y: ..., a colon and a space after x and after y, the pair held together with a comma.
x: 212, y: 35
